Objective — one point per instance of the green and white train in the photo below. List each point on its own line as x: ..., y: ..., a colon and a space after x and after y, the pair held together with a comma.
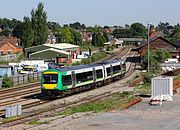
x: 56, y: 81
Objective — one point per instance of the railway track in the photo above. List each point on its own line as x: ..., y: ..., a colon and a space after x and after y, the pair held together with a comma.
x: 31, y: 116
x: 119, y: 55
x: 60, y: 107
x: 8, y: 90
x: 20, y: 93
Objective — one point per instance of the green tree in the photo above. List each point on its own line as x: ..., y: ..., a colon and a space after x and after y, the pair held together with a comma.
x: 175, y: 34
x: 7, y: 82
x: 138, y: 30
x: 28, y: 33
x: 77, y: 38
x: 106, y: 37
x: 97, y: 37
x: 162, y: 55
x: 6, y: 32
x: 67, y: 35
x: 18, y: 30
x: 153, y: 63
x: 39, y: 25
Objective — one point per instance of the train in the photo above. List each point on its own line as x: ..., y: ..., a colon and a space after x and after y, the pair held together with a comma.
x: 59, y: 80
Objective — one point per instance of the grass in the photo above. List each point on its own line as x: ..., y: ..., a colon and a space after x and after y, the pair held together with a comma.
x: 177, y: 78
x: 36, y: 122
x: 143, y: 89
x: 10, y: 118
x: 103, y: 105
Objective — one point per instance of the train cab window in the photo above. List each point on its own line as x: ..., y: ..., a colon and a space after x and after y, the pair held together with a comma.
x: 116, y: 69
x: 99, y: 74
x: 66, y: 80
x: 85, y: 76
x: 50, y: 78
x: 108, y: 71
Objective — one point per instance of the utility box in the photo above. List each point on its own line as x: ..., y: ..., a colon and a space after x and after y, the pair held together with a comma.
x: 162, y: 88
x: 14, y: 110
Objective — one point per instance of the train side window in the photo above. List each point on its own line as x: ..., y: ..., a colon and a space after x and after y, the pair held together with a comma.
x: 116, y: 69
x: 82, y: 77
x: 124, y: 66
x: 66, y: 80
x: 99, y: 73
x: 108, y: 70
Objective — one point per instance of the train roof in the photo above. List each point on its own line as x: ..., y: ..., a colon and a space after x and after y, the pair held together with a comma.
x: 70, y: 68
x: 112, y: 61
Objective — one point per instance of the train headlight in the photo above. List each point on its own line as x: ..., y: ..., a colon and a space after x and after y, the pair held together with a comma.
x: 56, y: 86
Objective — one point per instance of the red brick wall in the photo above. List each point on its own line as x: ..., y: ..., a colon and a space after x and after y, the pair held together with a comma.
x: 9, y: 47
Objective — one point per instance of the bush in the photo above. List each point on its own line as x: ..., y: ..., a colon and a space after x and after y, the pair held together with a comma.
x: 7, y: 82
x: 147, y: 77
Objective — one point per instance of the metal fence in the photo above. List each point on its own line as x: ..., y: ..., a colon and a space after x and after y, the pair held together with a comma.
x: 24, y: 78
x: 10, y: 57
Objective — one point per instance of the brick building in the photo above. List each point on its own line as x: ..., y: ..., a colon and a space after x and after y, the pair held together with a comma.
x: 160, y: 43
x: 9, y: 45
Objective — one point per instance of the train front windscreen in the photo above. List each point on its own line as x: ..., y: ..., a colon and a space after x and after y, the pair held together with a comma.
x: 50, y: 78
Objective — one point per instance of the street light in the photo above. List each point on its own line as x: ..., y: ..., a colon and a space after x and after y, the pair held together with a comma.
x: 148, y: 26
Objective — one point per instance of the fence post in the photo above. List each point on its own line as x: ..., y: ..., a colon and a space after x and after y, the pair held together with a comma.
x: 18, y: 79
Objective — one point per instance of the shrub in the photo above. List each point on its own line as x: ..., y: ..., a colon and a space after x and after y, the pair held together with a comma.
x: 147, y: 77
x: 7, y: 82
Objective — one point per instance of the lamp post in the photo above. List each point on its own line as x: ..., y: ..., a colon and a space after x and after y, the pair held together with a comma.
x: 148, y: 26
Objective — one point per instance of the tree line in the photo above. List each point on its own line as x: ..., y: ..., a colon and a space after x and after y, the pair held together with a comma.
x: 34, y: 30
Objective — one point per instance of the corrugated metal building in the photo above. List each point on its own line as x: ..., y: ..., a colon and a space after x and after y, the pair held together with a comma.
x: 61, y: 52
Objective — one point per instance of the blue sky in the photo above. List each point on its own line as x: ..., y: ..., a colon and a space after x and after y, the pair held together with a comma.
x: 97, y: 12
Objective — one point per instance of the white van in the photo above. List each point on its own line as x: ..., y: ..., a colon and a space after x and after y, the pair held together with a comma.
x: 171, y: 60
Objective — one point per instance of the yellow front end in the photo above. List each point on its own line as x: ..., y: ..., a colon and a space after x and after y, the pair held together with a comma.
x: 48, y: 83
x: 49, y: 86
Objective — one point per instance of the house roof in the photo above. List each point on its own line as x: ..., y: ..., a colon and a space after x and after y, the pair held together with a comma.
x: 10, y: 44
x: 152, y: 40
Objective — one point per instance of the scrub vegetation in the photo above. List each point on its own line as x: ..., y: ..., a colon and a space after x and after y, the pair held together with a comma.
x: 36, y: 122
x: 94, y: 58
x: 103, y: 105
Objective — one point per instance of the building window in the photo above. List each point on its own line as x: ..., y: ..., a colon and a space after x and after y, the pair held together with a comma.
x: 9, y: 52
x: 2, y: 52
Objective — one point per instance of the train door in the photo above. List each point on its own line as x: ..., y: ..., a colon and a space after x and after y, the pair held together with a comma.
x: 73, y: 75
x: 94, y: 75
x: 111, y: 68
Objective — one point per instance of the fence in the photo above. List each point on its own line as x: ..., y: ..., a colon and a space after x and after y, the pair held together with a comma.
x: 10, y: 57
x: 24, y: 78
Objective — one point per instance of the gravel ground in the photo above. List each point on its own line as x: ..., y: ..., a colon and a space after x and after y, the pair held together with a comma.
x: 139, y: 117
x: 78, y: 119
